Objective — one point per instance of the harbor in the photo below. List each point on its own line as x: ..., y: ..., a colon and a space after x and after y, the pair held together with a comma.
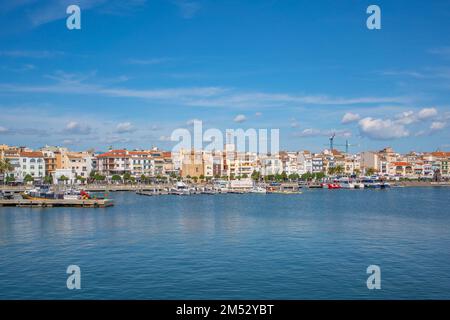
x: 49, y: 203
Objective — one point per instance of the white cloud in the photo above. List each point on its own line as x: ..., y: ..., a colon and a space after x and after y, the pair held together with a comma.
x: 240, y: 118
x: 409, y: 117
x: 427, y: 113
x: 125, y: 127
x: 3, y: 129
x: 150, y: 61
x: 350, y: 117
x: 74, y: 127
x: 294, y: 123
x: 165, y: 138
x: 311, y: 132
x: 406, y: 118
x: 437, y: 125
x: 187, y: 8
x: 258, y: 114
x: 30, y: 54
x: 380, y: 129
x: 71, y: 142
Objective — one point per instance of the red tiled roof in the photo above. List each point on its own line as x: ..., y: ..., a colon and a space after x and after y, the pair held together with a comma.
x: 32, y: 154
x: 113, y: 154
x: 401, y: 164
x: 138, y: 153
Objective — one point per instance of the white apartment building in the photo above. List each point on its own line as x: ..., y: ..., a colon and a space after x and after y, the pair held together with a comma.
x: 30, y: 163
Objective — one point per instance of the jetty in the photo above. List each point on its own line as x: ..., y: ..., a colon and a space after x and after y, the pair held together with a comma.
x: 48, y: 203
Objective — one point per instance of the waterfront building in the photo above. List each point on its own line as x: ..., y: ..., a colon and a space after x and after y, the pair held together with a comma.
x: 271, y: 165
x: 304, y: 162
x: 317, y: 164
x: 114, y: 162
x: 371, y: 160
x: 30, y: 163
x: 192, y: 163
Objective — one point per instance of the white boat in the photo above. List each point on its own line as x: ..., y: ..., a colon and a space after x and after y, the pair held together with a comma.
x: 180, y: 189
x: 346, y: 183
x: 258, y: 190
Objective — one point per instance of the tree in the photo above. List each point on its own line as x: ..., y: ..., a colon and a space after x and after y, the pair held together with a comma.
x: 48, y: 179
x: 319, y: 175
x: 99, y: 177
x: 10, y: 179
x: 339, y: 169
x: 126, y: 177
x: 256, y: 176
x: 306, y: 176
x: 357, y: 172
x: 116, y: 178
x: 370, y: 171
x: 202, y: 177
x: 244, y: 176
x: 293, y: 176
x: 5, y: 166
x: 81, y: 179
x: 284, y: 176
x: 28, y: 178
x: 63, y: 179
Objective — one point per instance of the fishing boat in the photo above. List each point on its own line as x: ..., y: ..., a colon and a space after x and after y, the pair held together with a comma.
x: 38, y: 193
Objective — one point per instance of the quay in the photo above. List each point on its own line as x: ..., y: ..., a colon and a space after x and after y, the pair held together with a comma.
x: 44, y: 203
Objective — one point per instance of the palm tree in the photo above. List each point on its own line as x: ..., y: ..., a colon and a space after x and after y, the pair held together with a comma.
x: 5, y: 166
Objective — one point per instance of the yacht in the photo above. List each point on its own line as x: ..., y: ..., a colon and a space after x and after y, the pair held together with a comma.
x: 180, y: 189
x: 258, y: 190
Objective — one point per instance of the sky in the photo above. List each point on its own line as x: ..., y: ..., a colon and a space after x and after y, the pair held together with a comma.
x: 138, y: 70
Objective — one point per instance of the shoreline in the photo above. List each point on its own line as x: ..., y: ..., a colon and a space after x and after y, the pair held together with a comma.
x: 150, y: 187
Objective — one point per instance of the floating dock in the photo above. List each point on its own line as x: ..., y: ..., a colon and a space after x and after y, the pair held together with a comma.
x: 44, y: 203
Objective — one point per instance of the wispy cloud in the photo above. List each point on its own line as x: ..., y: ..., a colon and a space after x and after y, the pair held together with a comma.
x: 125, y: 127
x: 187, y: 8
x: 312, y: 132
x: 77, y: 84
x: 150, y: 61
x: 30, y: 54
x: 441, y: 51
x: 240, y: 118
x: 74, y: 127
x: 350, y: 117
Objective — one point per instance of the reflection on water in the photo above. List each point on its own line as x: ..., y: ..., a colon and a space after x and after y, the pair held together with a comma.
x: 314, y: 245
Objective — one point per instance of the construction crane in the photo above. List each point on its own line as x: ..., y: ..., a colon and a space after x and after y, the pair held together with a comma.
x: 331, y: 141
x: 346, y: 145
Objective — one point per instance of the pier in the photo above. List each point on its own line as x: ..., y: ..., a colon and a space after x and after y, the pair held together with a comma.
x: 48, y: 203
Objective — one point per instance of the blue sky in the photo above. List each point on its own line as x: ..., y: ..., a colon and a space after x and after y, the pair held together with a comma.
x: 139, y: 69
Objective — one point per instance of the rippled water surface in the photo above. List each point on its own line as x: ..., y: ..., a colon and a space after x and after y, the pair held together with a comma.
x: 315, y: 245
